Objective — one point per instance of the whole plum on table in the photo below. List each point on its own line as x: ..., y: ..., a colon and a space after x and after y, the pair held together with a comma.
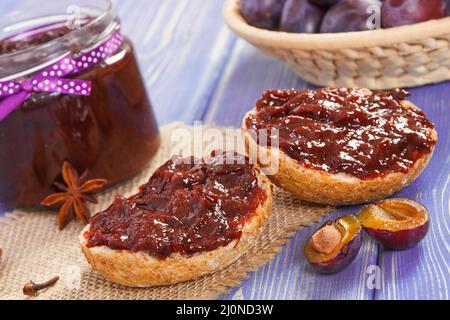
x: 325, y: 3
x: 396, y: 223
x: 352, y: 15
x: 301, y: 16
x: 334, y: 245
x: 396, y: 13
x: 264, y: 14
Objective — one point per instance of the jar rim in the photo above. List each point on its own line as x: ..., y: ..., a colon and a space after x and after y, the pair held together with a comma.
x: 58, y: 47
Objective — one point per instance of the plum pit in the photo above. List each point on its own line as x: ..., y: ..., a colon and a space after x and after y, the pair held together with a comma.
x: 326, y: 239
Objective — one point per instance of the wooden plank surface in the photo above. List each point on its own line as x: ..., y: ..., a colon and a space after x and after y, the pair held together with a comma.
x: 196, y: 69
x: 182, y: 47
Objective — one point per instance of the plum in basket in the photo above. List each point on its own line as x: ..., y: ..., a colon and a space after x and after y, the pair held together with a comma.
x: 351, y: 15
x: 264, y: 14
x: 396, y: 13
x: 301, y: 16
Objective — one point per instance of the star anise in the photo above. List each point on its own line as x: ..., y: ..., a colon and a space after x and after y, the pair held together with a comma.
x: 75, y: 195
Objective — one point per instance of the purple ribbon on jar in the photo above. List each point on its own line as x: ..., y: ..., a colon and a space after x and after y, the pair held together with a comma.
x: 52, y: 79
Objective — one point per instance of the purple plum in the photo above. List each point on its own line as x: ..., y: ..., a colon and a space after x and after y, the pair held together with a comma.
x: 264, y: 14
x: 301, y: 16
x: 396, y: 13
x: 352, y: 15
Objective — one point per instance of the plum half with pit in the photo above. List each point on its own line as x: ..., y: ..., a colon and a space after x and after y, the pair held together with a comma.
x: 301, y: 16
x: 334, y: 245
x: 396, y: 13
x: 264, y: 14
x: 396, y: 223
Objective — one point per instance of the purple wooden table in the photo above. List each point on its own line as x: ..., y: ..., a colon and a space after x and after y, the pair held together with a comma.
x: 196, y: 69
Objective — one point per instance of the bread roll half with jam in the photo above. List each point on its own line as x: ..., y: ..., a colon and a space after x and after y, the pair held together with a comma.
x: 340, y: 146
x: 193, y: 218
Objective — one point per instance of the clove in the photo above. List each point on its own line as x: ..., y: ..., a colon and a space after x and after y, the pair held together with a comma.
x: 32, y: 289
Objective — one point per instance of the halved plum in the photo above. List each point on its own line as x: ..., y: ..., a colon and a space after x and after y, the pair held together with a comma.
x: 334, y: 245
x: 396, y: 223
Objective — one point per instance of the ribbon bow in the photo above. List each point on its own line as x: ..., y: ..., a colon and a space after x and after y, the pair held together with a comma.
x: 51, y: 80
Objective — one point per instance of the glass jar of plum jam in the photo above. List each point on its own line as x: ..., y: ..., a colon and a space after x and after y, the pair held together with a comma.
x: 112, y: 132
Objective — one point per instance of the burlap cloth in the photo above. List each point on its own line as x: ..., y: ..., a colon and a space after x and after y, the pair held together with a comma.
x: 34, y: 248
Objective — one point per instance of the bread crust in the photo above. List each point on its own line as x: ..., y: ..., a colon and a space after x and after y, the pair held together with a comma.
x: 320, y: 187
x: 142, y: 270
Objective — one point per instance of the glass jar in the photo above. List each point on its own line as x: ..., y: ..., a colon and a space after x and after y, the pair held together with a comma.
x: 112, y: 133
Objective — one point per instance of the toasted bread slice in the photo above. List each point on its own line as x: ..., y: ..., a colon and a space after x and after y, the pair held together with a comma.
x: 320, y: 187
x: 143, y: 270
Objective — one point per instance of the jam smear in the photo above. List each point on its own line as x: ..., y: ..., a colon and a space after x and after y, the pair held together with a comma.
x: 189, y: 205
x: 352, y: 131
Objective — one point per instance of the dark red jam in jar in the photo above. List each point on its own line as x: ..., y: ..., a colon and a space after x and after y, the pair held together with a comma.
x: 352, y: 131
x: 112, y: 133
x: 188, y: 206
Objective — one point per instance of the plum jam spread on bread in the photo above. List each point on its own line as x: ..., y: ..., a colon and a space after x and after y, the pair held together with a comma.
x: 188, y: 206
x: 353, y: 131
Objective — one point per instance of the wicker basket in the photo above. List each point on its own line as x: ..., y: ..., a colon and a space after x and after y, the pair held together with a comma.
x: 378, y: 59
